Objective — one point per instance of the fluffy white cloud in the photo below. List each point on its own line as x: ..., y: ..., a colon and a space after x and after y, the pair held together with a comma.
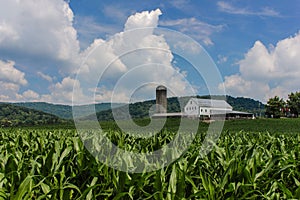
x: 62, y: 92
x: 37, y: 35
x: 11, y: 79
x: 39, y: 38
x: 29, y: 95
x: 265, y: 72
x: 130, y: 59
x: 9, y: 73
x: 9, y: 91
x: 143, y: 19
x: 39, y: 30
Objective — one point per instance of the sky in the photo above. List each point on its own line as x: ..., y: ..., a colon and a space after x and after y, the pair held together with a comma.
x: 100, y: 51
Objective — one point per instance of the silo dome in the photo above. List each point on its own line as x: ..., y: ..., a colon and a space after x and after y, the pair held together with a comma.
x: 161, y: 87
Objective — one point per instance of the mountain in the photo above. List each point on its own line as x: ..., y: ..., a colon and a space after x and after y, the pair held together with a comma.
x: 142, y: 109
x: 65, y: 111
x: 13, y: 115
x: 62, y: 111
x: 136, y: 110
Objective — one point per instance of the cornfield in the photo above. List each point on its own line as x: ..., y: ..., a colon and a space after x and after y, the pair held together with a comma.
x: 54, y: 164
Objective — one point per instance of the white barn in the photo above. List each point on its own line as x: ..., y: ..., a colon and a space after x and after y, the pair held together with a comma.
x: 206, y: 107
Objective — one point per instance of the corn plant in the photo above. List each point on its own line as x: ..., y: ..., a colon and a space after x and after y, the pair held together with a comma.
x: 54, y: 164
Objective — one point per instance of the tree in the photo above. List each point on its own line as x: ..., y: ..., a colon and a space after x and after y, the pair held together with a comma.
x: 275, y: 107
x: 293, y: 103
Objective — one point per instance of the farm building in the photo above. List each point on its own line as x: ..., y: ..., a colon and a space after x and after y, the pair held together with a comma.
x: 210, y: 108
x: 197, y: 108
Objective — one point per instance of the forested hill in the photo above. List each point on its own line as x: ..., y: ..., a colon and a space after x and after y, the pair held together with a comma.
x: 64, y: 111
x: 142, y: 109
x: 23, y: 113
x: 12, y: 115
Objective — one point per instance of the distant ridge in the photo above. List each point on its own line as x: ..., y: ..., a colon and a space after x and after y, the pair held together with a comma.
x: 13, y: 115
x: 65, y: 111
x: 141, y: 109
x: 138, y: 109
x: 62, y: 111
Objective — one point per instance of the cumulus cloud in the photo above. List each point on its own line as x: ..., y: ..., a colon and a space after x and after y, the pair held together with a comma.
x: 129, y: 59
x: 9, y: 73
x: 9, y: 91
x: 37, y: 35
x: 39, y: 30
x: 265, y: 72
x: 62, y: 92
x: 39, y: 38
x: 29, y: 95
x: 11, y: 79
x: 143, y: 20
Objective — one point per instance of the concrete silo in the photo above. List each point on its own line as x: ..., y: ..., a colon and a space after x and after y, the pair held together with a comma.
x: 161, y: 99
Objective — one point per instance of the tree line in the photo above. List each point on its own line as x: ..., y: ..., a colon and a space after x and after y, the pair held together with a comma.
x: 276, y: 107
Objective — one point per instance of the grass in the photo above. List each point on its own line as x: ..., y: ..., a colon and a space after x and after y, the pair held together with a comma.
x: 253, y: 159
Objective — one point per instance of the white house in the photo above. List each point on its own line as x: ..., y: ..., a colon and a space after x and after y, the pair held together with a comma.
x: 206, y: 107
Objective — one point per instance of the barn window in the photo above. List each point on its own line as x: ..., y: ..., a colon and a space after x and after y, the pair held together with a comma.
x: 205, y: 110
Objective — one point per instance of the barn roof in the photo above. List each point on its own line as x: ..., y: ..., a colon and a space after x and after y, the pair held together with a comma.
x: 212, y: 103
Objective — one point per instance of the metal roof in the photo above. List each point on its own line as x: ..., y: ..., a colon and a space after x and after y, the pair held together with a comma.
x: 163, y: 115
x: 211, y: 103
x: 223, y: 112
x: 240, y: 112
x: 167, y: 114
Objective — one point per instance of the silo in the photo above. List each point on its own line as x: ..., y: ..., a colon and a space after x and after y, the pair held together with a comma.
x: 161, y: 99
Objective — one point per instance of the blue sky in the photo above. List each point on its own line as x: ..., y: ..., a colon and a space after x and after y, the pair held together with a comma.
x: 255, y: 46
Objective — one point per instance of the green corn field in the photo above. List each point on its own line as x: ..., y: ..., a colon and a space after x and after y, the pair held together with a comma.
x: 53, y: 163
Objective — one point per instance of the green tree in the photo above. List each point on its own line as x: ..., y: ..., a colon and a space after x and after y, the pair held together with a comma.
x: 274, y: 107
x: 293, y: 103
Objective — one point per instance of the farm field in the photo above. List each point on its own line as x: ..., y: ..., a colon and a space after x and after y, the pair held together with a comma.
x: 253, y: 159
